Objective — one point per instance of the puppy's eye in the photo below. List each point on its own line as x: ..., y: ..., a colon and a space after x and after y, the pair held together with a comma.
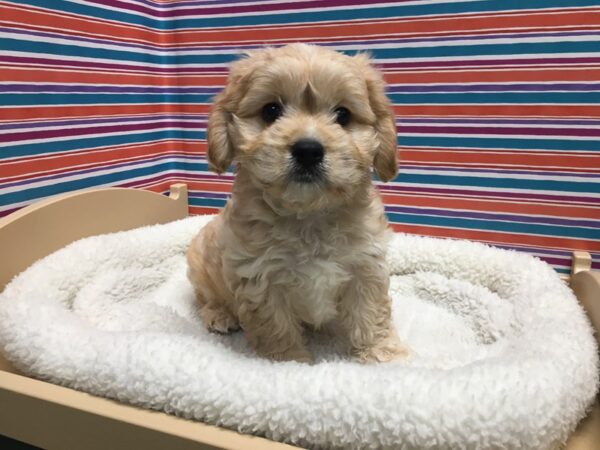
x: 271, y: 112
x: 342, y: 116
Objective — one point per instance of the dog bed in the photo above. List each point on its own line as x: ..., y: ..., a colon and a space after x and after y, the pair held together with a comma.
x: 502, y: 354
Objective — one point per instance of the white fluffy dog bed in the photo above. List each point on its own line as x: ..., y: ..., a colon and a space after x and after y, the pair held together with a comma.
x: 503, y: 356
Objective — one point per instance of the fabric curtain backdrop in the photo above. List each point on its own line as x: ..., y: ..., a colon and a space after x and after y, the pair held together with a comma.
x: 497, y: 103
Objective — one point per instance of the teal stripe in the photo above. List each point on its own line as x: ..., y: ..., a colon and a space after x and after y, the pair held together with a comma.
x: 508, y: 227
x: 15, y: 151
x: 507, y: 183
x: 499, y: 143
x: 288, y: 17
x: 497, y: 97
x: 224, y: 58
x: 210, y: 202
x: 116, y: 55
x: 97, y: 99
x: 83, y: 183
x: 416, y: 99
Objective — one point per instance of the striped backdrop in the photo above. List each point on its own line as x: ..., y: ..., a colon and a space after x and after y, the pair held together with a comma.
x: 497, y: 102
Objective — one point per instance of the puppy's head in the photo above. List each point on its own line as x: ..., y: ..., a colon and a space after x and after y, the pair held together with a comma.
x: 306, y: 124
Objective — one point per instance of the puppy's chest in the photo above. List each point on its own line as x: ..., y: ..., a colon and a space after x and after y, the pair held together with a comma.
x: 308, y: 270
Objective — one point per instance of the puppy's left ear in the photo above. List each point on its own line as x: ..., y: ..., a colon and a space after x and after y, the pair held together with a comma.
x: 220, y: 148
x: 385, y: 161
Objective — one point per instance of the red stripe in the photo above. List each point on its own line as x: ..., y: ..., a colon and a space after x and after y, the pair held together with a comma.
x: 500, y: 238
x: 529, y: 208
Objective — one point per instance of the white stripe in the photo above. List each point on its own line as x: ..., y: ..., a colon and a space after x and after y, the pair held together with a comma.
x: 549, y: 177
x: 490, y: 219
x: 102, y: 124
x: 500, y: 190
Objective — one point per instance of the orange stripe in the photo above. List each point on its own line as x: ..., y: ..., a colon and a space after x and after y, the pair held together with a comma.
x: 499, y: 110
x: 73, y: 76
x: 492, y: 206
x: 80, y: 111
x: 201, y: 210
x: 481, y: 76
x: 90, y: 157
x: 500, y: 238
x: 207, y: 186
x: 492, y: 76
x: 529, y: 160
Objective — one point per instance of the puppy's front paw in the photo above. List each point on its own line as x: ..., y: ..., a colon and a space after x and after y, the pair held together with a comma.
x: 219, y: 320
x: 295, y: 354
x: 388, y: 349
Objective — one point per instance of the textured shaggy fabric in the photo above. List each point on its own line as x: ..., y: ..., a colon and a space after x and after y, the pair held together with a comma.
x: 503, y: 356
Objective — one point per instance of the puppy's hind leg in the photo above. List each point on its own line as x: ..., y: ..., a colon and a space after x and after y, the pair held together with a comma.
x: 204, y: 272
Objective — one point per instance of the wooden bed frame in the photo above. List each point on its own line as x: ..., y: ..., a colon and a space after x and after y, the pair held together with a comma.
x: 54, y: 417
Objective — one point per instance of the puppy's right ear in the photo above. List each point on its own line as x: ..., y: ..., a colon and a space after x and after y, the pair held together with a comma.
x: 220, y: 148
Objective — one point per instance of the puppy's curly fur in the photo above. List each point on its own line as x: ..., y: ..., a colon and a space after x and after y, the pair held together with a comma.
x: 303, y: 239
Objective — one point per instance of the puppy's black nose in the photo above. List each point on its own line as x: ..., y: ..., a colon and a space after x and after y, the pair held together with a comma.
x: 307, y: 152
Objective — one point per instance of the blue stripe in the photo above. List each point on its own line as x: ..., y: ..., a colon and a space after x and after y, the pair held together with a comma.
x: 83, y: 183
x: 509, y: 144
x: 506, y: 183
x: 224, y: 58
x: 508, y: 227
x: 94, y: 99
x: 287, y: 17
x: 101, y: 141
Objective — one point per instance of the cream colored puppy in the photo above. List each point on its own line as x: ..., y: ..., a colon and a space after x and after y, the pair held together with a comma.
x: 303, y: 239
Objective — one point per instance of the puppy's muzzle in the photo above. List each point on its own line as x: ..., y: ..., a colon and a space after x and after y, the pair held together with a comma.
x: 307, y: 155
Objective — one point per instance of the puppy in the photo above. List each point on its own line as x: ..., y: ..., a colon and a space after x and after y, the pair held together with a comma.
x: 302, y: 241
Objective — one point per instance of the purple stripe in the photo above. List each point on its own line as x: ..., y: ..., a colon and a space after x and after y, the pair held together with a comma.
x: 495, y: 216
x: 48, y: 134
x: 209, y: 195
x: 402, y: 120
x: 100, y: 65
x: 199, y: 3
x: 525, y: 249
x: 477, y: 37
x: 237, y: 9
x: 200, y: 121
x: 502, y: 131
x: 495, y: 87
x: 531, y: 196
x: 504, y: 171
x: 492, y: 62
x: 107, y: 89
